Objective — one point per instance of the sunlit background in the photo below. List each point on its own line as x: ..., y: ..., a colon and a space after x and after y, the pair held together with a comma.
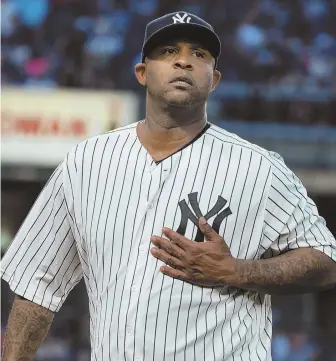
x: 67, y: 74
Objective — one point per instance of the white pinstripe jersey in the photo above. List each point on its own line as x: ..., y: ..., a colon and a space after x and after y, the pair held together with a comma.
x: 95, y: 218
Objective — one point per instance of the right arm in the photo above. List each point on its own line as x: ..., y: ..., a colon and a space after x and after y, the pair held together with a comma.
x: 28, y: 325
x: 41, y: 266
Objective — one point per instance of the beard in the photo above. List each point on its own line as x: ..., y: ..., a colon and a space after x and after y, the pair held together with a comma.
x: 178, y: 97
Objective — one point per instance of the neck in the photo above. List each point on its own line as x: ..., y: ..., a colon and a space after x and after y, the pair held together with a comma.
x: 168, y: 128
x: 165, y: 117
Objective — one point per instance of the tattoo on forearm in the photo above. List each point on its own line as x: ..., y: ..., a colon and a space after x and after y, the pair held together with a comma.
x: 28, y: 324
x: 295, y: 272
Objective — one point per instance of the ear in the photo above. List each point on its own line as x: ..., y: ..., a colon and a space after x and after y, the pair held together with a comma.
x: 216, y: 78
x: 140, y: 73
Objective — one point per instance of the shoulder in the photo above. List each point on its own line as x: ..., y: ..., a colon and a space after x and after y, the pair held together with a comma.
x: 224, y: 136
x: 96, y: 145
x: 128, y: 130
x: 90, y: 151
x: 281, y: 175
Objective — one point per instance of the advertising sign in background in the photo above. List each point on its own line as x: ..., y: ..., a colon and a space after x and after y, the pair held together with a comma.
x: 38, y: 128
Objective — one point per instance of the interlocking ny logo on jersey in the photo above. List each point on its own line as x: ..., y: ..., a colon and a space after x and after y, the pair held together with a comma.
x: 181, y: 19
x: 188, y: 214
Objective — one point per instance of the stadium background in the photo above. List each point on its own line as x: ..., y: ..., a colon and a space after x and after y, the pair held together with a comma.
x: 67, y: 74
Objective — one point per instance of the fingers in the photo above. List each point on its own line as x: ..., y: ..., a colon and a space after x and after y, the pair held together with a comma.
x: 177, y: 239
x: 168, y: 259
x: 168, y: 246
x: 175, y: 243
x: 174, y: 273
x: 207, y: 230
x: 182, y: 275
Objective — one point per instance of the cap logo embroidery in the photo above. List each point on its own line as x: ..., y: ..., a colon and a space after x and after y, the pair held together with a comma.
x: 181, y: 19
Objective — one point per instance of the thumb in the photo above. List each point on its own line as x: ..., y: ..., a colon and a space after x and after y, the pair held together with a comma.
x: 207, y: 230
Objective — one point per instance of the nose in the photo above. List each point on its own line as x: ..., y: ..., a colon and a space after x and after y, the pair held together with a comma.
x: 183, y: 63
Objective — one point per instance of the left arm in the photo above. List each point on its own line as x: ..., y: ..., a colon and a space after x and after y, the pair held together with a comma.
x: 210, y: 264
x: 297, y: 251
x: 299, y: 271
x: 300, y: 254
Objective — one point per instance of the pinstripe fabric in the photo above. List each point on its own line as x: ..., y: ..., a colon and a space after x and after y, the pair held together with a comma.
x: 95, y: 217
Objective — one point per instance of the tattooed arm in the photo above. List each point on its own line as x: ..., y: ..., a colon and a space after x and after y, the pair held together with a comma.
x: 299, y: 271
x: 27, y: 327
x: 297, y: 251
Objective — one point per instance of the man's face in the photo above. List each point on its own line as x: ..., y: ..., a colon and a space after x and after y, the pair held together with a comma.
x: 185, y: 60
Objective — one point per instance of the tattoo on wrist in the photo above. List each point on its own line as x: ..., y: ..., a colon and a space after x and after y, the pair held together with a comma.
x: 297, y: 271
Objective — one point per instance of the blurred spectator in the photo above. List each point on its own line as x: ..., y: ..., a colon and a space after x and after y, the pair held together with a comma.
x: 8, y: 18
x: 302, y: 348
x: 31, y: 16
x: 280, y: 346
x: 295, y: 345
x: 54, y: 349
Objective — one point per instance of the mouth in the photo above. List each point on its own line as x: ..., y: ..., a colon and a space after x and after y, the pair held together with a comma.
x: 182, y: 80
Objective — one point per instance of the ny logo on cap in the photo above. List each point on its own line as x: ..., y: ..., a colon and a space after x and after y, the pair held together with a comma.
x: 181, y: 19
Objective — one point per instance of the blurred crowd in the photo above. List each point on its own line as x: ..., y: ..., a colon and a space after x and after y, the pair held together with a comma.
x: 257, y: 107
x: 300, y: 345
x: 95, y: 43
x: 287, y: 44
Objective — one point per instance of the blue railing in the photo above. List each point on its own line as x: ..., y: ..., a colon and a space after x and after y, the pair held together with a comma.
x: 300, y: 146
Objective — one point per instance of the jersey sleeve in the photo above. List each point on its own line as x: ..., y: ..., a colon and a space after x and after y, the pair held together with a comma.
x: 42, y: 263
x: 291, y: 217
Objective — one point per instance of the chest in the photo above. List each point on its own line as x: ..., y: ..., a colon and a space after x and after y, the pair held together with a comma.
x: 123, y: 204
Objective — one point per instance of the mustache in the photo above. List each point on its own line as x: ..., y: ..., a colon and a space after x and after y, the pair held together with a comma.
x: 184, y: 78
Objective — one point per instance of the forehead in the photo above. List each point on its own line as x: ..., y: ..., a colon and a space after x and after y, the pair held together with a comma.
x: 183, y: 41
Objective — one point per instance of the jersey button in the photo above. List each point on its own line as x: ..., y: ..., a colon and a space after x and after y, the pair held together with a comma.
x: 129, y: 329
x: 133, y: 289
x: 151, y: 206
x: 142, y: 248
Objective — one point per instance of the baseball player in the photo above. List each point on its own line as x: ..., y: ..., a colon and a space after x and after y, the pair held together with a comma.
x: 181, y: 230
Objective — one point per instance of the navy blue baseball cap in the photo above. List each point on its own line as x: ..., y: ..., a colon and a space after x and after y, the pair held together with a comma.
x: 184, y: 25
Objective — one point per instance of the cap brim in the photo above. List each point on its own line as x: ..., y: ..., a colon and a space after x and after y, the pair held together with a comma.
x: 193, y: 32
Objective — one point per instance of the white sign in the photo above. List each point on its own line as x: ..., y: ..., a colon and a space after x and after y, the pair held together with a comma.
x: 39, y: 127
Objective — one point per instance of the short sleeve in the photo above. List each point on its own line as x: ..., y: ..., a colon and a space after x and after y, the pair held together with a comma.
x: 291, y: 217
x: 42, y: 263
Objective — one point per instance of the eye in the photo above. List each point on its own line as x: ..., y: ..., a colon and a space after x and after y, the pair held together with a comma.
x: 199, y: 54
x: 168, y: 50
